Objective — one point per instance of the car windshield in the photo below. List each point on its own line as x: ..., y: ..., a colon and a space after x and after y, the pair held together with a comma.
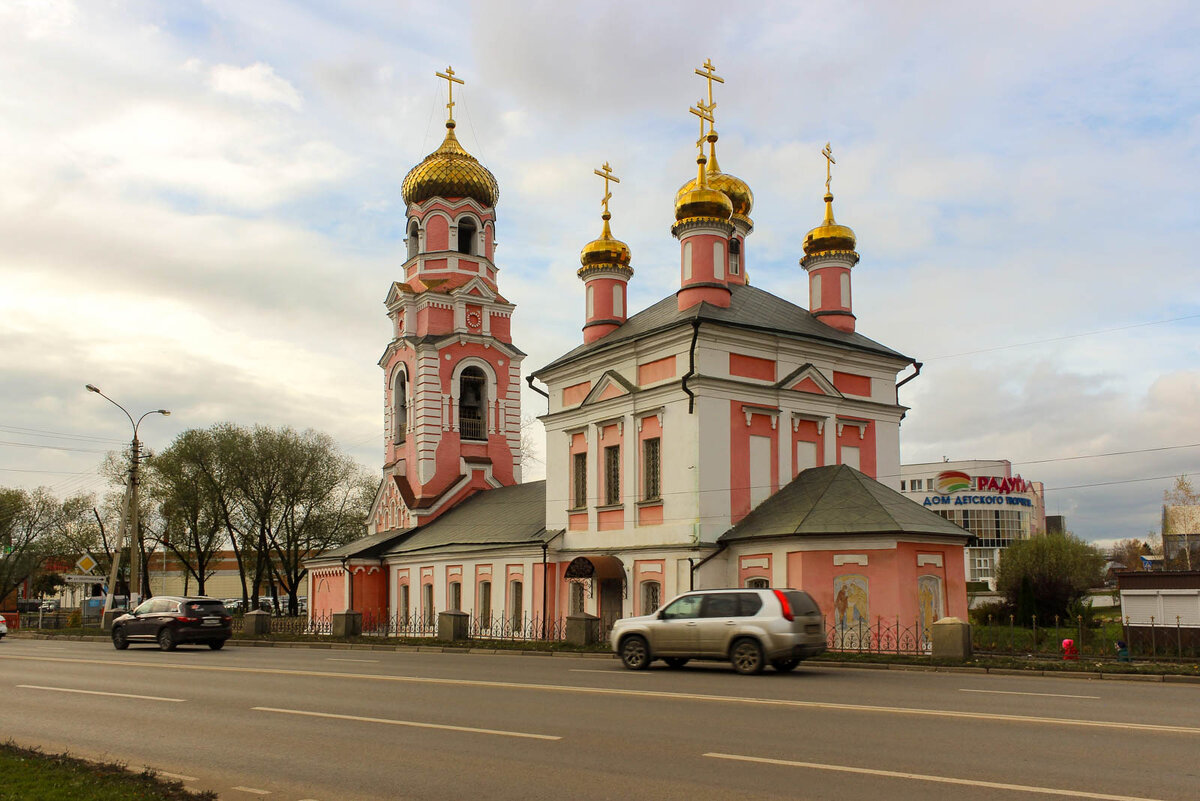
x: 207, y: 607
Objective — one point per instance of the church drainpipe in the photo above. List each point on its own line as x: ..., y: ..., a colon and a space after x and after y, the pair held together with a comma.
x: 691, y: 367
x: 546, y: 395
x: 545, y: 548
x: 692, y: 568
x: 918, y: 366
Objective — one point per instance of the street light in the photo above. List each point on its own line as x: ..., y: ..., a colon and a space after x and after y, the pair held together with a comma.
x: 130, y: 512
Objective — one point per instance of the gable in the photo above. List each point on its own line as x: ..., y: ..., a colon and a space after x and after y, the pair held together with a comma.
x: 476, y: 287
x: 611, y: 385
x: 807, y: 378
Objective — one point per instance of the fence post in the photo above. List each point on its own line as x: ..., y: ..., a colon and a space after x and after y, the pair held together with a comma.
x: 1125, y: 631
x: 1081, y: 632
x: 1012, y: 633
x: 1153, y: 642
x: 1035, y: 637
x: 1178, y: 637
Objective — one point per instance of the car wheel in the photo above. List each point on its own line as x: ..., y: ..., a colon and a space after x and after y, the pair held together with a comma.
x: 216, y: 645
x: 746, y: 656
x: 120, y: 639
x: 166, y: 639
x: 635, y: 653
x: 676, y: 662
x: 785, y: 665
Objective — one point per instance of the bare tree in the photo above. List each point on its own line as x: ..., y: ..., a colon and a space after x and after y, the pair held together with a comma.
x: 33, y: 527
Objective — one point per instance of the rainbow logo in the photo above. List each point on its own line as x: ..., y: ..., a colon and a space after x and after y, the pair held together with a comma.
x: 952, y: 481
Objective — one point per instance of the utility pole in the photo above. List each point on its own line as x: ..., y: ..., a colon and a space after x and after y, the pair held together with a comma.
x: 130, y: 513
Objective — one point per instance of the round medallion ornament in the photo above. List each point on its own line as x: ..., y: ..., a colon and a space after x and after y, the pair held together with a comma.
x: 473, y: 319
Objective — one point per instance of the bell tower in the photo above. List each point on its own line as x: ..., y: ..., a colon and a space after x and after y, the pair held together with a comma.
x: 605, y: 274
x: 452, y: 399
x: 829, y: 256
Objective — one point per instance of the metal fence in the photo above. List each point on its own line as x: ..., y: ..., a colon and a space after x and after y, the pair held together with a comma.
x: 881, y: 638
x: 1107, y: 640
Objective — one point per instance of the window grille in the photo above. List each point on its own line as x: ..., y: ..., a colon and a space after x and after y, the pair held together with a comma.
x: 612, y: 475
x: 485, y: 600
x: 472, y: 404
x: 651, y: 596
x: 757, y: 584
x: 456, y: 595
x: 651, y: 474
x: 427, y: 601
x: 579, y: 497
x: 400, y: 410
x: 516, y: 613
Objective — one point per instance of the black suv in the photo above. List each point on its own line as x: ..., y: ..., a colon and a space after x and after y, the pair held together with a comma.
x: 171, y: 619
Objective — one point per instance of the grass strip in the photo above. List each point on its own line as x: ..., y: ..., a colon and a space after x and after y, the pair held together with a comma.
x: 30, y: 775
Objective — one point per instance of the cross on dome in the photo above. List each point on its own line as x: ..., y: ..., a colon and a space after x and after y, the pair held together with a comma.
x: 606, y: 173
x: 709, y: 74
x: 829, y: 162
x: 450, y: 81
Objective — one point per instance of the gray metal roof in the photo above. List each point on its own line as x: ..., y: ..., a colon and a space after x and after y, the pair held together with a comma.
x: 839, y: 500
x: 513, y: 515
x: 750, y: 307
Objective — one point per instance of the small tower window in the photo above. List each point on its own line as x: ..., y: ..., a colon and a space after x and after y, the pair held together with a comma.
x: 414, y: 239
x: 472, y: 404
x: 735, y: 257
x: 466, y: 237
x: 618, y: 301
x: 400, y: 409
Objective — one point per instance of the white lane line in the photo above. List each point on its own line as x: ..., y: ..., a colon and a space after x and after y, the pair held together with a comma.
x: 254, y: 790
x: 621, y: 672
x: 410, y: 723
x: 892, y: 774
x: 97, y: 692
x: 612, y: 691
x: 179, y: 777
x: 1042, y: 695
x: 338, y: 659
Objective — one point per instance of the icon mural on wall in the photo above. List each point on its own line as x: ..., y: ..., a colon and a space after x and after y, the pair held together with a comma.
x: 850, y: 602
x: 929, y: 604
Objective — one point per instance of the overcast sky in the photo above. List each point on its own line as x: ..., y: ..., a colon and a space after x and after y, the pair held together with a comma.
x: 200, y: 208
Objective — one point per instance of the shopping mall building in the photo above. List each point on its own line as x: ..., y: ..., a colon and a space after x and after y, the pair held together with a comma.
x: 984, y: 497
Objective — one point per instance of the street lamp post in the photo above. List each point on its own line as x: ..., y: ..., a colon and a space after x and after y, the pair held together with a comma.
x: 130, y: 512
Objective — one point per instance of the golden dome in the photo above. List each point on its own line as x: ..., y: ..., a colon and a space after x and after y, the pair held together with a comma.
x: 829, y: 236
x: 450, y: 171
x: 734, y: 188
x: 605, y: 252
x: 701, y: 200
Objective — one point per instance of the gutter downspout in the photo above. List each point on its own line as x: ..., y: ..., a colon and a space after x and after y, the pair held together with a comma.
x: 918, y: 366
x: 691, y: 367
x: 350, y: 584
x: 546, y: 395
x: 692, y: 568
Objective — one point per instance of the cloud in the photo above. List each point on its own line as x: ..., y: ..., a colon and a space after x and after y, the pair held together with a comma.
x: 258, y: 83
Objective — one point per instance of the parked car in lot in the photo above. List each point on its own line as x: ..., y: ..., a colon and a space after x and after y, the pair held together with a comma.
x: 3, y: 627
x: 750, y: 627
x: 172, y: 620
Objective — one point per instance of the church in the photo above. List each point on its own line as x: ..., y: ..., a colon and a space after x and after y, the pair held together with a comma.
x: 722, y: 437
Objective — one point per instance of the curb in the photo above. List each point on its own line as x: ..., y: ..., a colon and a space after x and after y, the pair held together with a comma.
x: 1161, y: 678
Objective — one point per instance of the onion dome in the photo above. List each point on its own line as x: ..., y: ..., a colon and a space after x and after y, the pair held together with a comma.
x: 450, y: 171
x: 605, y: 253
x: 702, y: 200
x: 829, y: 236
x: 734, y: 188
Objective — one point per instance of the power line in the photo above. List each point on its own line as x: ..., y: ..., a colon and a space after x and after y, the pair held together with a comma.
x: 49, y: 447
x: 1062, y: 338
x: 54, y: 434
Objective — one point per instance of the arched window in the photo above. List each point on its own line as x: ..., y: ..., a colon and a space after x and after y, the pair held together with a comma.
x: 577, y: 606
x: 402, y: 604
x: 757, y: 584
x: 456, y: 595
x: 485, y: 604
x: 400, y: 409
x: 414, y: 239
x: 516, y: 611
x: 735, y: 257
x: 651, y: 596
x: 427, y: 610
x: 472, y: 404
x: 466, y: 236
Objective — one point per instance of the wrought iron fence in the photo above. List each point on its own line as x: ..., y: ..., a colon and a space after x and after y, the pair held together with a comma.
x: 1107, y: 640
x: 881, y: 638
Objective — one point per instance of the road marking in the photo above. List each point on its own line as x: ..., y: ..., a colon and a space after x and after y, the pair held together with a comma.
x: 252, y: 790
x: 338, y: 659
x: 613, y: 672
x: 97, y: 692
x: 409, y: 723
x: 1042, y: 695
x: 927, y: 778
x: 179, y: 777
x: 677, y: 696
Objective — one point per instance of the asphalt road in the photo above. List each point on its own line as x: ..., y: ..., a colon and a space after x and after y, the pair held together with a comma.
x: 328, y: 725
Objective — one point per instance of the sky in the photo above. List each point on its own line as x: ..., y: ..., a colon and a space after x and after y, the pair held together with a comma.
x: 200, y: 208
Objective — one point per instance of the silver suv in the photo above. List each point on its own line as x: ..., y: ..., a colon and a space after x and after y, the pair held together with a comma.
x: 750, y: 627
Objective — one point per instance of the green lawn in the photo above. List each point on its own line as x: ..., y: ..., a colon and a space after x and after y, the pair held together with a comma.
x: 30, y: 775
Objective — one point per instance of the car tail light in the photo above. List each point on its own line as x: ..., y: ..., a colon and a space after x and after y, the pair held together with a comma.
x: 786, y: 607
x: 186, y: 619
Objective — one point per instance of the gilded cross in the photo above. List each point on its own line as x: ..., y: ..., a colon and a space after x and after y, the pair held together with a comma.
x: 705, y: 114
x: 606, y: 173
x: 829, y: 162
x: 450, y: 81
x: 709, y: 74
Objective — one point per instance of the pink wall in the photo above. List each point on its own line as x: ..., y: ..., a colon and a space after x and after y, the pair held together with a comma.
x: 437, y: 233
x: 852, y: 384
x: 574, y: 394
x: 806, y: 431
x: 328, y: 592
x: 370, y: 589
x: 745, y: 573
x: 739, y: 455
x: 865, y: 444
x: 658, y: 370
x: 751, y: 367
